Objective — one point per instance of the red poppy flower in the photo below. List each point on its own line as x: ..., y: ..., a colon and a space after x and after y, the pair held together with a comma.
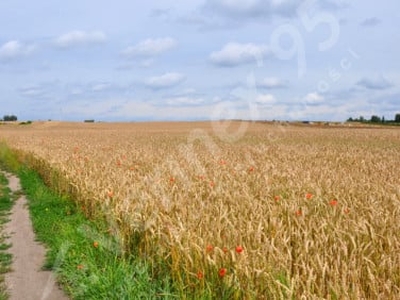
x: 299, y: 213
x: 79, y: 267
x: 333, y: 202
x: 209, y: 248
x: 222, y: 272
x: 309, y: 196
x: 251, y: 169
x: 277, y: 198
x: 96, y: 244
x: 239, y: 249
x: 200, y: 275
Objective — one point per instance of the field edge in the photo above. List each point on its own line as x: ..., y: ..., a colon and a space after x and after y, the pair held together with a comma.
x: 85, y: 258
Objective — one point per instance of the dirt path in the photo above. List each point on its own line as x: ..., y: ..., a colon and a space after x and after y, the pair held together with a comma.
x: 27, y: 280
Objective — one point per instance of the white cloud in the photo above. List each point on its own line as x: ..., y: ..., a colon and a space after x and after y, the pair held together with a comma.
x: 77, y: 38
x: 76, y: 91
x: 227, y: 14
x: 252, y: 8
x: 237, y: 5
x: 378, y: 83
x: 150, y: 47
x: 370, y: 22
x: 98, y: 87
x: 271, y: 83
x: 32, y: 91
x: 146, y: 63
x: 15, y: 49
x: 313, y: 98
x: 164, y: 81
x: 184, y: 101
x: 265, y: 99
x: 233, y: 54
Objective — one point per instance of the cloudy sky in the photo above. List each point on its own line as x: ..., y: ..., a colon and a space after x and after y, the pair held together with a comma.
x: 200, y: 59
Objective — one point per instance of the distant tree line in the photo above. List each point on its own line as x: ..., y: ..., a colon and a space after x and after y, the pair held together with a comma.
x: 375, y: 119
x: 9, y: 118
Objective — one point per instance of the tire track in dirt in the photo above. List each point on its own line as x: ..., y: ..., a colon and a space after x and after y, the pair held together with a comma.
x: 27, y: 280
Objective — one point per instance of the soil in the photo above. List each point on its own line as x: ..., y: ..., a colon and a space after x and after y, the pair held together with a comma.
x: 27, y: 280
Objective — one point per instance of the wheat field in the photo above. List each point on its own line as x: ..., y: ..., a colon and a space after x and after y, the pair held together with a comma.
x: 270, y: 211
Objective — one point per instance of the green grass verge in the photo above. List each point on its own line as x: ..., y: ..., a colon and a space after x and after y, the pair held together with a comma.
x: 6, y: 203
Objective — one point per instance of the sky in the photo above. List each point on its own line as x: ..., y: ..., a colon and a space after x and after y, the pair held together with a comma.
x: 199, y: 60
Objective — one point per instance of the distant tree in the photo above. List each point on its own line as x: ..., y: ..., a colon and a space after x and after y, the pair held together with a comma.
x: 350, y: 119
x: 8, y: 118
x: 383, y: 119
x: 26, y: 123
x: 375, y: 119
x: 397, y: 118
x: 361, y: 119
